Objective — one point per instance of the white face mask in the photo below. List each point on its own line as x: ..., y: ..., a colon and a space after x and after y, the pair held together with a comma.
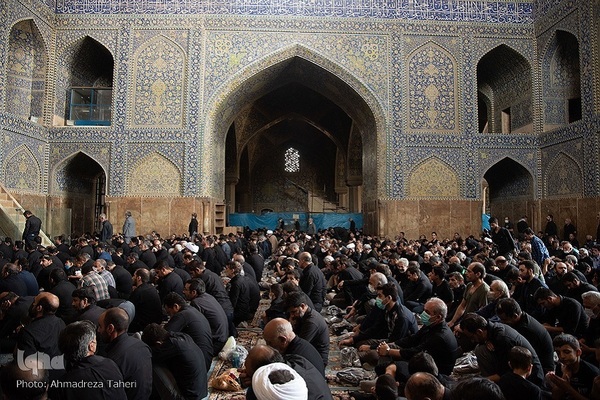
x: 589, y: 312
x: 371, y: 289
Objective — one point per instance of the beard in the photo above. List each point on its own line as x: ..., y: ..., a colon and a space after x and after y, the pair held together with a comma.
x: 32, y: 311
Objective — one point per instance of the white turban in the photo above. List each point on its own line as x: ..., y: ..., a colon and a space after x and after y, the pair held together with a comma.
x: 295, y: 389
x: 192, y: 247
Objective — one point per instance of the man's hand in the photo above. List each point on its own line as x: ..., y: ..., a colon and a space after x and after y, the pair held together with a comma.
x: 383, y: 349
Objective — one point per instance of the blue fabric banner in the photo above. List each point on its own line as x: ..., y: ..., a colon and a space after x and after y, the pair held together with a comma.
x: 269, y: 220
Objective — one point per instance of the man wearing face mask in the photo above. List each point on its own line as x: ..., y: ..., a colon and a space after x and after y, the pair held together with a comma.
x: 435, y: 338
x: 498, y: 290
x: 591, y: 305
x: 395, y: 323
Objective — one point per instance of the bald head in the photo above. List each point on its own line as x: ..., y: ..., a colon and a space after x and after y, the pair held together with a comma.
x: 423, y: 385
x: 258, y: 356
x: 45, y: 303
x: 278, y: 333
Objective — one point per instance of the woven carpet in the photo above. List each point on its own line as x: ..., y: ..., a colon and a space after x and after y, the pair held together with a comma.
x: 251, y: 336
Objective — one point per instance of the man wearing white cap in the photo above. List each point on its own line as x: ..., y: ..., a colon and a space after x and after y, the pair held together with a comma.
x: 278, y: 381
x: 261, y: 355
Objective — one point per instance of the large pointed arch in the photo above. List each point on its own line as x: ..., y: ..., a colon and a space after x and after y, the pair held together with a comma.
x: 347, y: 91
x: 85, y: 62
x: 78, y: 187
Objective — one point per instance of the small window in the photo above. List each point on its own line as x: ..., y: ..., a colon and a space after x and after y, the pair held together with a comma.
x: 292, y: 160
x: 90, y: 106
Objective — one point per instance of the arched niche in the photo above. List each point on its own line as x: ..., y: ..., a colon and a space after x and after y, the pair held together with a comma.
x: 26, y: 72
x: 88, y: 68
x: 561, y: 81
x: 504, y: 87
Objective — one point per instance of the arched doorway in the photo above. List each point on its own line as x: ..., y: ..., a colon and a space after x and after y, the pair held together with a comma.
x: 509, y: 191
x: 78, y: 195
x: 297, y: 103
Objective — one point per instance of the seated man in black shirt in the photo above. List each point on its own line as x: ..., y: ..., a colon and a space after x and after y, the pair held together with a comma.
x: 309, y: 324
x: 104, y: 380
x: 132, y: 356
x: 187, y: 319
x: 278, y: 333
x: 563, y: 314
x: 178, y: 364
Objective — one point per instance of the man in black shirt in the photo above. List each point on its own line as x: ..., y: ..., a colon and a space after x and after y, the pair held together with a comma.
x: 494, y: 342
x: 132, y: 356
x: 63, y: 289
x: 176, y: 357
x: 562, y: 314
x: 14, y: 309
x: 169, y: 281
x: 278, y: 333
x: 510, y: 313
x: 33, y: 225
x: 187, y: 319
x: 195, y: 292
x: 84, y: 302
x: 309, y: 324
x: 122, y: 279
x: 312, y: 281
x: 101, y: 376
x: 239, y: 293
x: 214, y: 286
x: 41, y: 334
x: 502, y: 239
x: 146, y: 300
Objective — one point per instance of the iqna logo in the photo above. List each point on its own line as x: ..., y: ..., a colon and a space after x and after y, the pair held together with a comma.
x: 37, y: 361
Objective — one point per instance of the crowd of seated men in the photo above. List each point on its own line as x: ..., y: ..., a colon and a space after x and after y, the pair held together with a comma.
x: 143, y: 318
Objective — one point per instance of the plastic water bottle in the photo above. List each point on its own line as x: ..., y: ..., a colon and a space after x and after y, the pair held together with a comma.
x: 235, y: 359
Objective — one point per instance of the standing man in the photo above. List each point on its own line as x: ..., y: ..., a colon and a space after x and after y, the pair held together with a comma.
x: 106, y: 232
x: 539, y: 252
x: 33, y: 225
x: 313, y: 281
x: 568, y: 229
x: 128, y: 227
x: 502, y: 239
x: 551, y: 228
x: 522, y: 225
x: 193, y: 226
